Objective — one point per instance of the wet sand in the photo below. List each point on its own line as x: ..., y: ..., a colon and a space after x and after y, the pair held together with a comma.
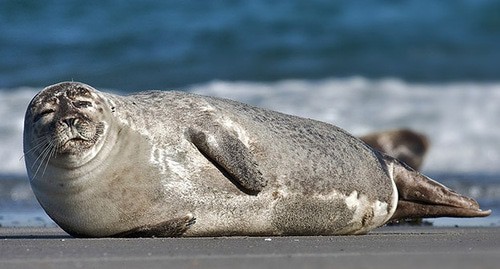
x: 388, y: 247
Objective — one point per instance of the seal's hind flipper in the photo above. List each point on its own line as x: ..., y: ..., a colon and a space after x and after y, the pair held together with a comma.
x: 411, y: 210
x: 170, y: 228
x: 422, y: 197
x: 231, y: 157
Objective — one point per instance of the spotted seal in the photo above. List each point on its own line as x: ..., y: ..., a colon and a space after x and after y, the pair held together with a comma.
x: 403, y: 144
x: 173, y: 163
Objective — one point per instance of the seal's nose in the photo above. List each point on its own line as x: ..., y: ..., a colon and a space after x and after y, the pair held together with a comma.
x: 69, y: 121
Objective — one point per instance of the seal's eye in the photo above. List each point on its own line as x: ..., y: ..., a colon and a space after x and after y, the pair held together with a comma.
x: 82, y: 104
x: 43, y: 114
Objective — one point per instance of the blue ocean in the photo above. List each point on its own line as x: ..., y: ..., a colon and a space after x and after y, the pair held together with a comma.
x: 366, y: 66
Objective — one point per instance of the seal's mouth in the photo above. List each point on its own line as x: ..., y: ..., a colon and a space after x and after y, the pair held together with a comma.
x: 77, y: 139
x: 73, y: 146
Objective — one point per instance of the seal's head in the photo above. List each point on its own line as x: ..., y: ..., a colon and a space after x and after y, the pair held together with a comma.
x: 64, y: 121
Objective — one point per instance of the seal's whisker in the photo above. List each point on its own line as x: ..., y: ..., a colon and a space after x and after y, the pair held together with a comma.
x: 37, y: 143
x: 37, y: 146
x: 49, y: 156
x: 44, y: 146
x: 39, y: 160
x: 44, y: 154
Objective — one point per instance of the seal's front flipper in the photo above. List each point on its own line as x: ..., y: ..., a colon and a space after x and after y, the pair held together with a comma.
x: 230, y: 156
x: 170, y: 228
x: 422, y: 197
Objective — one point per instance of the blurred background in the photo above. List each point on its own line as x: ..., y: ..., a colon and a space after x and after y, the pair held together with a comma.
x: 366, y: 66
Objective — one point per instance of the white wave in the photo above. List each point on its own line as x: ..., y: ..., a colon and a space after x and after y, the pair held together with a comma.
x: 12, y: 111
x: 461, y: 119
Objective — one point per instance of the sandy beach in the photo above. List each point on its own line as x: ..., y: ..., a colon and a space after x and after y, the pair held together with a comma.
x: 388, y: 247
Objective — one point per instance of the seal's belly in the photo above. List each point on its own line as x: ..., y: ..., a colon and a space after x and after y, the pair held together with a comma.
x: 279, y: 212
x: 333, y: 214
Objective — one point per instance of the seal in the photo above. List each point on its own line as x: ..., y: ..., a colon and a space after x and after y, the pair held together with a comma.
x: 405, y: 145
x: 172, y: 163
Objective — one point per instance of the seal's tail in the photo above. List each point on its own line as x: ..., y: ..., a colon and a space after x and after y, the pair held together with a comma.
x: 422, y: 197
